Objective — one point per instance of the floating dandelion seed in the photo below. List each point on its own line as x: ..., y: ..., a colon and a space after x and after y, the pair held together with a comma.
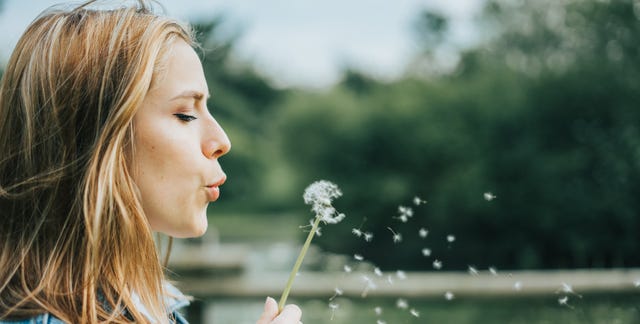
x: 451, y: 238
x: 517, y: 285
x: 397, y: 237
x: 377, y: 271
x: 370, y: 286
x: 358, y: 257
x: 368, y: 236
x: 423, y: 233
x: 337, y: 292
x: 437, y: 264
x: 347, y: 269
x: 488, y: 196
x: 401, y: 275
x: 473, y: 271
x: 333, y: 308
x: 426, y: 252
x: 417, y: 201
x: 449, y: 295
x: 567, y: 289
x: 414, y: 312
x: 401, y: 303
x: 357, y: 232
x: 493, y: 271
x: 319, y: 195
x: 378, y: 310
x: 564, y: 301
x: 405, y: 213
x: 381, y: 322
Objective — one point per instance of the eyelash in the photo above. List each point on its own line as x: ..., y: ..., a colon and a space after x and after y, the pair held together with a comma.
x: 185, y: 118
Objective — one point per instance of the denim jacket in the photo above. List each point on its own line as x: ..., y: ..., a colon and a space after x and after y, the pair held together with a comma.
x: 175, y: 302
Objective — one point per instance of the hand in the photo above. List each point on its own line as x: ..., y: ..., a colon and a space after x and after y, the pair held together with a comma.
x: 291, y: 314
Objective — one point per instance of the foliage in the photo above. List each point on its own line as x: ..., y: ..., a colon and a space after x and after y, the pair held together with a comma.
x: 543, y: 115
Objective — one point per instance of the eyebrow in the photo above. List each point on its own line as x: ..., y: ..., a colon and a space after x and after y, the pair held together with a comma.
x: 191, y: 94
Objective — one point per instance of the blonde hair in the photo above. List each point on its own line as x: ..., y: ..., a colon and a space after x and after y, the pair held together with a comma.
x: 74, y: 240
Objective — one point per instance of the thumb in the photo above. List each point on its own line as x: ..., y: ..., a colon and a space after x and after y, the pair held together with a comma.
x: 270, y: 311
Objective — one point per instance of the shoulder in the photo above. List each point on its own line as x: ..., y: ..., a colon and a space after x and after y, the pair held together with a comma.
x: 40, y: 319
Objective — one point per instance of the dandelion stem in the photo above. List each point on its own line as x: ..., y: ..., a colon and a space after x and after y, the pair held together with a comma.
x: 296, y: 266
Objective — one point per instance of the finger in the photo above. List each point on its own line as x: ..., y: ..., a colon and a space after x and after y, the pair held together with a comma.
x: 270, y: 311
x: 291, y: 314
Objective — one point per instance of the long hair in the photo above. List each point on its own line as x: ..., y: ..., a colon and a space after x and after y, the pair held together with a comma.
x: 74, y: 240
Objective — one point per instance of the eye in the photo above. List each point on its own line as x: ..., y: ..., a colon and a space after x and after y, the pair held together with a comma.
x: 185, y: 118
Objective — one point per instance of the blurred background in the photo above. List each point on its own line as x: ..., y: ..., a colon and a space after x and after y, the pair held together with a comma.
x: 516, y: 121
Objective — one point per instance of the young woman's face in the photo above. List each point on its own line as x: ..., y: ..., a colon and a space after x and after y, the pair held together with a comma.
x: 177, y: 144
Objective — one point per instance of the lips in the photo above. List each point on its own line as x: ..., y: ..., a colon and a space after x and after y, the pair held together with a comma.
x: 213, y: 190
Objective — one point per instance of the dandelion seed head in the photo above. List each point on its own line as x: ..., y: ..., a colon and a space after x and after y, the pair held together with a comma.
x: 401, y: 303
x: 426, y: 252
x: 417, y: 201
x: 567, y: 288
x: 358, y: 257
x: 403, y: 218
x: 451, y: 238
x: 449, y: 295
x: 407, y: 211
x: 473, y: 271
x: 319, y: 195
x: 423, y: 233
x: 368, y: 236
x: 401, y: 275
x: 334, y: 306
x: 437, y: 264
x: 488, y: 196
x: 563, y: 300
x: 338, y: 291
x: 414, y: 312
x: 378, y: 310
x: 397, y: 237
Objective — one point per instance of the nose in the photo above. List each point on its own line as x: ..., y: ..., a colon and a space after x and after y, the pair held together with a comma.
x: 217, y: 142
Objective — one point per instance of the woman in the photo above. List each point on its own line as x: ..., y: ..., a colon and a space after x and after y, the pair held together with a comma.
x: 105, y: 138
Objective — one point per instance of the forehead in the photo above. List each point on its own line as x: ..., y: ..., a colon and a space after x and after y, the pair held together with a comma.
x: 180, y: 71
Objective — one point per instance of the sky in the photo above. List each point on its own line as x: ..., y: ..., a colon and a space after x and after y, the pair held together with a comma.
x: 298, y: 42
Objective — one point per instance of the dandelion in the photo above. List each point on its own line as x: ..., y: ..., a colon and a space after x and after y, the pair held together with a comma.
x: 449, y: 295
x: 423, y: 232
x: 451, y: 238
x: 397, y: 237
x: 368, y: 236
x: 378, y: 310
x: 493, y: 271
x: 414, y: 312
x: 488, y: 196
x: 401, y: 275
x: 347, y: 269
x: 517, y: 285
x: 417, y: 201
x: 401, y: 303
x: 358, y: 257
x: 333, y: 307
x: 437, y: 264
x: 377, y: 271
x: 357, y: 232
x: 319, y: 195
x: 426, y: 252
x: 473, y: 271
